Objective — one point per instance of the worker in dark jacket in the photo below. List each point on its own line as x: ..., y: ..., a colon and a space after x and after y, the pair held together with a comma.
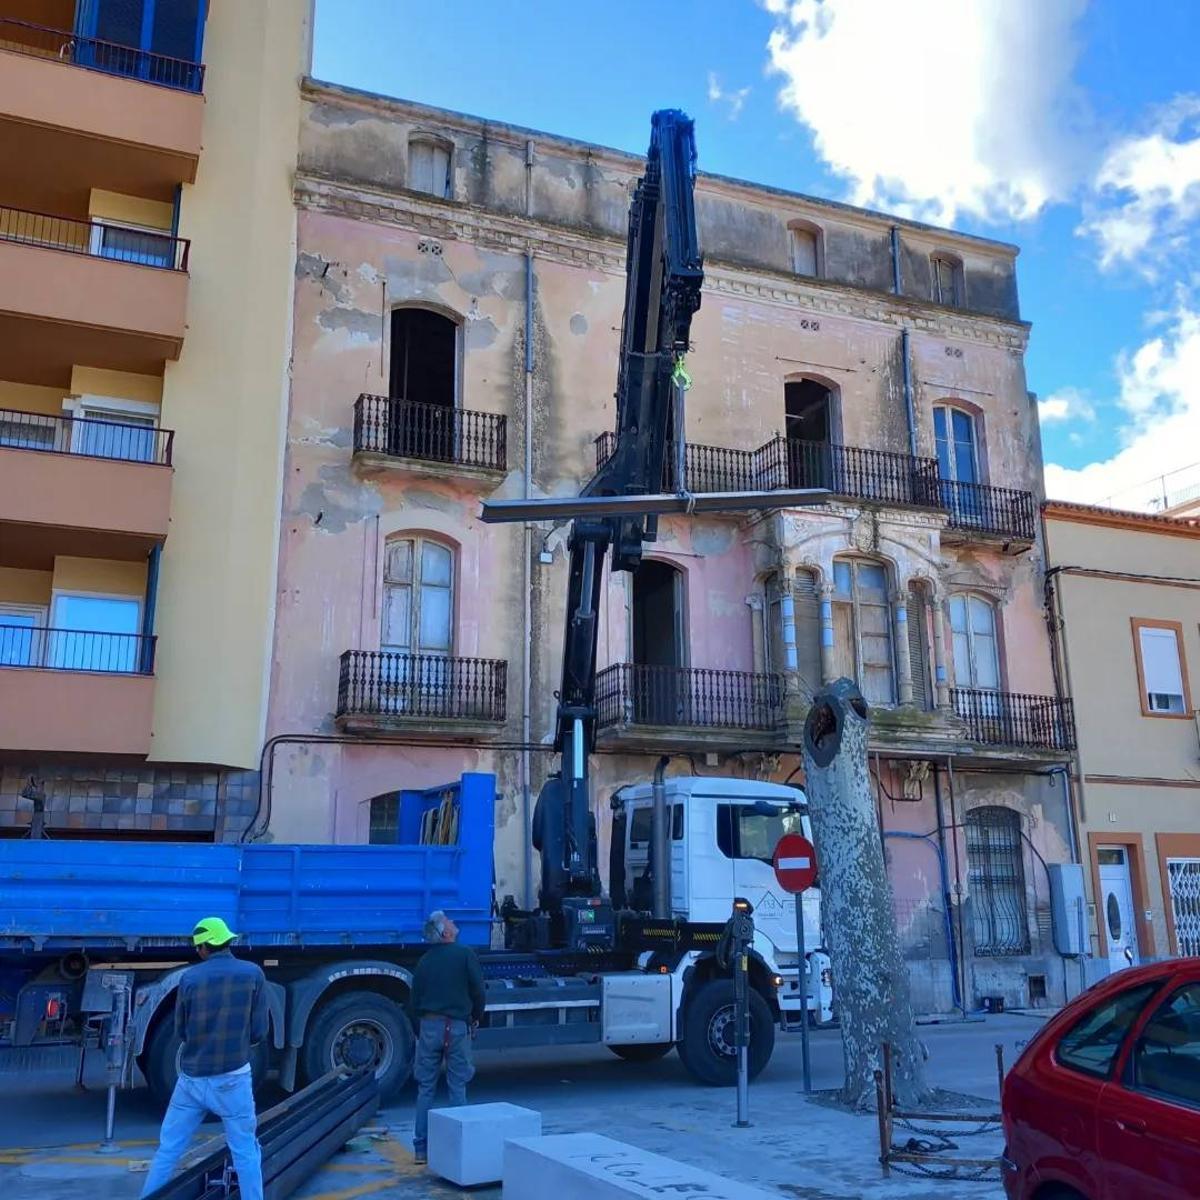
x: 220, y: 1012
x: 447, y: 1004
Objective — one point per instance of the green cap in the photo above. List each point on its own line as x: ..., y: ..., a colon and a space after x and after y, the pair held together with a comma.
x: 212, y: 931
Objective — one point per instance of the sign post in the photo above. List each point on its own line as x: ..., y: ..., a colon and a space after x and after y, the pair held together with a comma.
x: 796, y: 870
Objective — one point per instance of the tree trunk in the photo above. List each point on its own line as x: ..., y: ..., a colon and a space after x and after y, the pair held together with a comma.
x: 870, y: 979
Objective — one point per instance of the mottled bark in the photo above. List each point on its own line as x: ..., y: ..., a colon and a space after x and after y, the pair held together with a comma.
x: 870, y: 979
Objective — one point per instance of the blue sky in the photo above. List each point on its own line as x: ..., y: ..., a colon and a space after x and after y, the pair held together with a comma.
x: 1071, y: 127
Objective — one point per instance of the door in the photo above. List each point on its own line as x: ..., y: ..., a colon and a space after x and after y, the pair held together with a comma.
x: 1183, y: 878
x: 807, y: 419
x: 1148, y: 1118
x: 95, y: 633
x: 958, y: 462
x: 1116, y: 907
x: 416, y: 672
x: 22, y: 636
x: 660, y: 695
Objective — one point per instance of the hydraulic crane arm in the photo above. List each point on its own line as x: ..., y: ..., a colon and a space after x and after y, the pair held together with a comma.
x: 664, y: 274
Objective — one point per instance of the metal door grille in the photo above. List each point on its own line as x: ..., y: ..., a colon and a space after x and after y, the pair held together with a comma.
x: 997, y: 882
x: 1183, y: 875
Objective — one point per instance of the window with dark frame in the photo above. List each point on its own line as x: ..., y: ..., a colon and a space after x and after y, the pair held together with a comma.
x: 1166, y: 1060
x: 385, y: 820
x: 996, y: 882
x: 946, y: 275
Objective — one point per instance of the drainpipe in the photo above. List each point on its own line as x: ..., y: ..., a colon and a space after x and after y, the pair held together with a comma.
x: 149, y: 609
x: 660, y: 866
x: 945, y: 870
x: 909, y: 414
x: 526, y: 649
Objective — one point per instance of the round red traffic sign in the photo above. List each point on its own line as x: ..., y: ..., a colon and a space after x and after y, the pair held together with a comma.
x: 795, y: 863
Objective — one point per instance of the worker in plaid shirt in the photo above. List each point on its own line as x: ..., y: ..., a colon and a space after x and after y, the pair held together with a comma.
x: 220, y: 1012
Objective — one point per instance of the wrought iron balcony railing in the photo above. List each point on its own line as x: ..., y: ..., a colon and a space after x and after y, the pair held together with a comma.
x: 430, y: 432
x: 41, y: 41
x: 688, y: 698
x: 989, y: 511
x: 55, y: 434
x: 387, y: 683
x: 851, y: 471
x: 75, y: 650
x: 1016, y: 719
x: 95, y: 239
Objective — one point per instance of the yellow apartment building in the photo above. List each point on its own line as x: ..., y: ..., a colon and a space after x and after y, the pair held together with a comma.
x: 1124, y: 595
x: 146, y: 253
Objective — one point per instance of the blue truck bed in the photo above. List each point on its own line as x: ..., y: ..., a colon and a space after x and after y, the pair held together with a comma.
x: 69, y: 895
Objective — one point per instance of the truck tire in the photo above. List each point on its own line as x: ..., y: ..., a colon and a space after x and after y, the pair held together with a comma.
x: 159, y: 1062
x: 708, y: 1034
x: 644, y: 1052
x: 358, y: 1029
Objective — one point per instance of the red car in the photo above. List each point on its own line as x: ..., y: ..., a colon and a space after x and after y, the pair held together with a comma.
x: 1104, y: 1103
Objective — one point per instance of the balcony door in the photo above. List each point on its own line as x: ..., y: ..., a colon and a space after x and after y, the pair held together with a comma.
x: 22, y: 635
x: 955, y: 437
x: 158, y: 40
x: 92, y: 632
x: 424, y: 377
x: 808, y: 429
x: 418, y: 607
x: 976, y: 654
x: 658, y: 641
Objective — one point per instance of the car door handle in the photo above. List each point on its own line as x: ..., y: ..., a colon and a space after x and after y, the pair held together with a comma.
x: 1131, y: 1125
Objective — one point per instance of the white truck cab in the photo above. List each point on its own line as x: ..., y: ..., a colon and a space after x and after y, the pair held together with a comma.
x: 723, y: 835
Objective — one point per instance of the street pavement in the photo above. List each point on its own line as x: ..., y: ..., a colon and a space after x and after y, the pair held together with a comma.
x: 794, y: 1147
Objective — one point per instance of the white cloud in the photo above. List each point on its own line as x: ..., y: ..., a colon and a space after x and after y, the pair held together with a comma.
x: 933, y: 108
x: 1148, y: 190
x: 1160, y: 400
x: 1067, y: 404
x: 734, y: 100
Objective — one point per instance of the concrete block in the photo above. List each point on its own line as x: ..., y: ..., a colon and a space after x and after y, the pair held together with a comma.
x: 588, y: 1166
x: 466, y: 1145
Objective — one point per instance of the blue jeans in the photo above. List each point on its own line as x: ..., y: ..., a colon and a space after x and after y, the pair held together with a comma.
x: 440, y: 1040
x: 230, y: 1097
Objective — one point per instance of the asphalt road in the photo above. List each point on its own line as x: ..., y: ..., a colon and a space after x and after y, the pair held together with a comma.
x: 794, y: 1147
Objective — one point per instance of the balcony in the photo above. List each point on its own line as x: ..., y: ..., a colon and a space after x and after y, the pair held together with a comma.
x: 385, y: 689
x: 75, y: 486
x: 87, y: 292
x: 695, y: 706
x: 76, y: 691
x: 443, y: 441
x: 91, y: 113
x: 980, y: 512
x: 1015, y: 720
x: 849, y: 472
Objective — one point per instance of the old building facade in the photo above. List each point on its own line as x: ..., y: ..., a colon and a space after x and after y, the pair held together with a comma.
x: 458, y: 297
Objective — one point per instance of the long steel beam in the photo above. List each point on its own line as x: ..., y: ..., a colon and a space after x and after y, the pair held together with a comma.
x: 498, y: 512
x: 296, y: 1137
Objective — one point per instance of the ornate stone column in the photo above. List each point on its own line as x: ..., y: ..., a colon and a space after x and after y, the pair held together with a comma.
x: 943, y: 671
x: 827, y: 669
x: 904, y: 681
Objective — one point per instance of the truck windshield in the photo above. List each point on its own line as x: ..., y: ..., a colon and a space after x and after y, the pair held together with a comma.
x: 744, y: 833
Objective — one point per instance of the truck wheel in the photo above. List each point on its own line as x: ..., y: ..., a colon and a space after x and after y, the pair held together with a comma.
x: 159, y: 1062
x: 644, y: 1052
x: 709, y: 1033
x: 358, y: 1030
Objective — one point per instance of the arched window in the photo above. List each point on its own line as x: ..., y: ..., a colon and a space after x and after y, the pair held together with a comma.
x: 976, y: 645
x: 808, y: 428
x: 862, y: 628
x: 946, y: 279
x: 957, y: 444
x: 996, y: 881
x: 424, y: 377
x: 418, y: 597
x: 429, y: 166
x: 808, y: 249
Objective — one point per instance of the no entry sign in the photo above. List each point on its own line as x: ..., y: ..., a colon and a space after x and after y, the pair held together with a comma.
x: 795, y: 863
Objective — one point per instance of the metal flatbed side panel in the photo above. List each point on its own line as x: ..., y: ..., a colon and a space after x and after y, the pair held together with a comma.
x: 126, y: 896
